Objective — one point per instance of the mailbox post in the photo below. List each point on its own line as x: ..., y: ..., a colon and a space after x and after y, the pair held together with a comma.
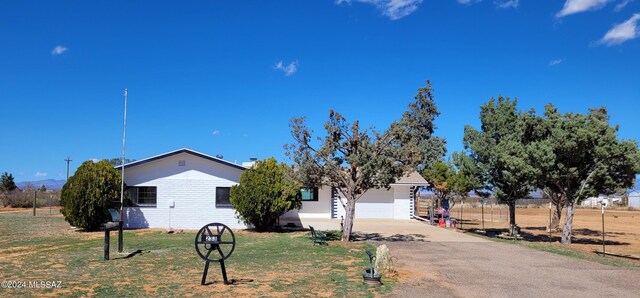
x: 114, y: 224
x: 215, y: 242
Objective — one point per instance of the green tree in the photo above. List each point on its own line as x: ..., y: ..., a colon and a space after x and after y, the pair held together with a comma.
x: 7, y: 183
x: 87, y: 194
x: 449, y: 181
x: 411, y: 138
x: 43, y: 188
x: 266, y: 191
x: 353, y: 160
x: 588, y: 159
x: 467, y: 178
x: 442, y: 177
x: 509, y: 151
x: 116, y: 161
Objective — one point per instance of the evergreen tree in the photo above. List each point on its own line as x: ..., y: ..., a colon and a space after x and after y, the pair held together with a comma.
x: 588, y: 159
x: 509, y: 152
x: 353, y: 160
x: 87, y: 195
x: 266, y: 191
x: 7, y: 183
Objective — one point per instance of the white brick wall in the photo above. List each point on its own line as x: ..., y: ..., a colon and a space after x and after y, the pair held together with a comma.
x: 191, y: 188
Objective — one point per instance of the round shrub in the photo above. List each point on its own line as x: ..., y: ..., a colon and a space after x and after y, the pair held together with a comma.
x: 266, y: 191
x: 88, y: 194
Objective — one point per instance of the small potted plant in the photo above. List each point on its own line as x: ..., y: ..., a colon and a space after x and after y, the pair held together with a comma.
x: 371, y: 277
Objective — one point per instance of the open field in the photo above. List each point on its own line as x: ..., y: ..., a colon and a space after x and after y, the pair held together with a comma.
x: 159, y: 264
x: 622, y: 227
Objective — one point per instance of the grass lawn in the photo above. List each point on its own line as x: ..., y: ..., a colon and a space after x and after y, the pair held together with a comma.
x: 45, y: 248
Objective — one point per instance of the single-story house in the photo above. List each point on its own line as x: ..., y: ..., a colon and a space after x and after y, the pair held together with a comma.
x: 186, y: 189
x: 397, y: 202
x: 601, y: 199
x: 182, y: 189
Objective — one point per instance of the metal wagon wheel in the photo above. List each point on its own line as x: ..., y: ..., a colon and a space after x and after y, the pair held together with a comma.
x: 215, y: 242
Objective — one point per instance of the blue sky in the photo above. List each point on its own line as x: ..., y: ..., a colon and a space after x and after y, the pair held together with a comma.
x: 225, y: 77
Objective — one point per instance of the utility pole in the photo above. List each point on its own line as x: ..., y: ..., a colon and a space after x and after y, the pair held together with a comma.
x: 124, y: 137
x: 68, y: 160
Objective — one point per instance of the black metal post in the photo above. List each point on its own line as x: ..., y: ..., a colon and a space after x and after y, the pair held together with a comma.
x: 204, y: 274
x: 224, y: 272
x: 120, y: 243
x: 106, y: 244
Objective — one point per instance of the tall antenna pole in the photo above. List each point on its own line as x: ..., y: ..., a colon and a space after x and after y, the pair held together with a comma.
x: 124, y: 137
x: 68, y: 160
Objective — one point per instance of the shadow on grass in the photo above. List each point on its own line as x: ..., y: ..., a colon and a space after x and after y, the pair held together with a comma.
x: 133, y: 254
x: 232, y: 282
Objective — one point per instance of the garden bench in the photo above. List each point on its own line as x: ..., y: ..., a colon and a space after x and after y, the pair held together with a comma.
x: 318, y: 237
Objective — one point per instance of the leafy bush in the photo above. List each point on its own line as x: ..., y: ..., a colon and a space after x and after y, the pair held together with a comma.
x: 266, y: 191
x: 88, y: 194
x: 18, y: 199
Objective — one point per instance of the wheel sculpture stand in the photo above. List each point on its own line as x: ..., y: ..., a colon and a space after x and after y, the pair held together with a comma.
x: 215, y: 242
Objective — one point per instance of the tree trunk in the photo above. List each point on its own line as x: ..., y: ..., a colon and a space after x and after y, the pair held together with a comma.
x: 350, y: 211
x: 557, y: 215
x: 567, y: 229
x: 512, y: 218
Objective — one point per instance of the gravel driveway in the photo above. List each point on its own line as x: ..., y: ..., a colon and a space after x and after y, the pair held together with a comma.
x: 435, y: 262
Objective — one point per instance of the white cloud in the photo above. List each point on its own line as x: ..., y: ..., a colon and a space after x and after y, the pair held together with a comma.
x: 393, y: 9
x: 621, y: 5
x: 555, y: 62
x: 287, y: 69
x: 59, y: 50
x: 215, y: 132
x: 40, y: 174
x: 577, y: 6
x: 506, y: 3
x: 95, y: 160
x: 622, y: 32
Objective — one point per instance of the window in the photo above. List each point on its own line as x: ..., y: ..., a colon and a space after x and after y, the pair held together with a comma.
x: 222, y: 197
x: 143, y: 196
x: 309, y: 194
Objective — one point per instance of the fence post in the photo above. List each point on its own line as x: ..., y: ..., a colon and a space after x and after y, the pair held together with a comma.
x: 35, y: 194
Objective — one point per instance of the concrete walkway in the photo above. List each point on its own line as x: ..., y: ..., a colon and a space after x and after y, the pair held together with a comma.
x: 392, y: 229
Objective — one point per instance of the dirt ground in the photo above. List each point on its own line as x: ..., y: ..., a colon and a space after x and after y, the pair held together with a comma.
x: 622, y: 227
x: 494, y: 269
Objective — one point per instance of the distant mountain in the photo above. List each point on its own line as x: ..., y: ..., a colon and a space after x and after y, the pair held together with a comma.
x: 49, y: 184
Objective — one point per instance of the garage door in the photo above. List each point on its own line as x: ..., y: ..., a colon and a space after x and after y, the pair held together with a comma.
x: 376, y: 203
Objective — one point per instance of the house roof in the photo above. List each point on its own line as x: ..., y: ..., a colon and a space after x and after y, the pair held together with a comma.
x: 179, y: 151
x: 414, y: 178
